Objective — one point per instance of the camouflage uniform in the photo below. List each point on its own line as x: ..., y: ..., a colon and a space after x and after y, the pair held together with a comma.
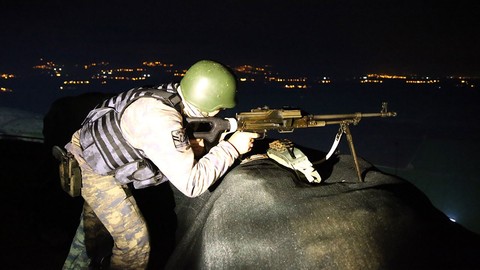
x: 77, y: 256
x: 119, y: 214
x: 156, y: 129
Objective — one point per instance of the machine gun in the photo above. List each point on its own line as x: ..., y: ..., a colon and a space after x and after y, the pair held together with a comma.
x: 262, y: 120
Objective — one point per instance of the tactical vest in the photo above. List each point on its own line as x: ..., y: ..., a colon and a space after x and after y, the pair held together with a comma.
x: 105, y: 148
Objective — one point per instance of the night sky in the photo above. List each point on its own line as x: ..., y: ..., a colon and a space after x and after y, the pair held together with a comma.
x: 343, y: 37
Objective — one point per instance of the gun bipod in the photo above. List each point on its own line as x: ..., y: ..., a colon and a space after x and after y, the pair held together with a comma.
x: 345, y: 129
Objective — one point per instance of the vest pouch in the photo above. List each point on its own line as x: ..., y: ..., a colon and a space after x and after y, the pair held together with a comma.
x: 140, y: 173
x: 147, y: 176
x: 123, y: 174
x: 69, y: 170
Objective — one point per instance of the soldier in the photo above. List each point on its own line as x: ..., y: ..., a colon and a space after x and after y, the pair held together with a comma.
x: 138, y: 138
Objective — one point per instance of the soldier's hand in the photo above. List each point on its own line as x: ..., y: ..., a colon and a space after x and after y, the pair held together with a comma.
x: 198, y: 147
x: 243, y: 141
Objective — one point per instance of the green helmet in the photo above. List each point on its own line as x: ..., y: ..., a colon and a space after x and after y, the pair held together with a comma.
x: 209, y: 86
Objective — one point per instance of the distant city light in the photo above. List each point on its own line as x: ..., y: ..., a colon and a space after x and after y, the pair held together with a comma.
x: 156, y: 64
x: 385, y: 76
x: 293, y: 86
x: 7, y: 76
x: 422, y: 81
x: 4, y: 89
x: 76, y: 82
x: 370, y: 81
x: 96, y: 73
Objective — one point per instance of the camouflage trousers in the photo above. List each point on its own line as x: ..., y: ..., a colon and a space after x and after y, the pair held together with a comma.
x: 118, y: 212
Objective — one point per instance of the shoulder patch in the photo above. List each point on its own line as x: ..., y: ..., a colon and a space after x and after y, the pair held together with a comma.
x: 180, y: 140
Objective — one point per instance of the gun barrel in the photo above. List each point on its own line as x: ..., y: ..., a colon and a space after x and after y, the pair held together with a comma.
x: 353, y: 116
x: 381, y: 114
x: 336, y: 116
